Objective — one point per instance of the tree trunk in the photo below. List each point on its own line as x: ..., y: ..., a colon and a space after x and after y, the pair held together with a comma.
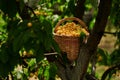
x: 78, y: 71
x: 88, y: 49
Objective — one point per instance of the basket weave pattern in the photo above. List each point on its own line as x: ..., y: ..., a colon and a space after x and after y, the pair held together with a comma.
x: 69, y: 44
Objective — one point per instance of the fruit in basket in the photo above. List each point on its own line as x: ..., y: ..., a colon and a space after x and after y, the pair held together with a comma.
x: 69, y: 29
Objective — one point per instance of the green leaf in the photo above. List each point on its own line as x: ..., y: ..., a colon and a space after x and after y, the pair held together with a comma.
x: 47, y: 26
x: 14, y: 60
x: 40, y: 54
x: 40, y: 72
x: 22, y: 5
x: 56, y: 46
x: 28, y: 37
x: 4, y: 57
x: 104, y: 55
x: 94, y: 3
x: 52, y: 71
x: 115, y: 57
x: 82, y: 37
x: 18, y: 42
x: 47, y: 42
x: 9, y: 7
x: 32, y: 62
x: 13, y: 29
x: 2, y: 22
x: 46, y: 72
x: 71, y: 6
x: 4, y: 69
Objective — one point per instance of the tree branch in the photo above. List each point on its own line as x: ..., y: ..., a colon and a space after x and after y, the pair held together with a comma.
x: 61, y: 70
x: 116, y: 67
x: 80, y: 8
x: 65, y: 69
x: 113, y: 33
x: 88, y: 49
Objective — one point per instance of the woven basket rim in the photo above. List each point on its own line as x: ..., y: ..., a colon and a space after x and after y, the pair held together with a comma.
x: 83, y: 25
x: 65, y: 36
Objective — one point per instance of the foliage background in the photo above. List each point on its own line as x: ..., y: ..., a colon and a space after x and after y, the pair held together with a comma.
x: 26, y: 35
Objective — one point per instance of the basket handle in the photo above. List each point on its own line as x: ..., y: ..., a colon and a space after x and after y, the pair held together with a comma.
x: 71, y: 18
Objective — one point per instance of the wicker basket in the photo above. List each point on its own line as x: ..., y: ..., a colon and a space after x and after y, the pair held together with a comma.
x: 69, y: 44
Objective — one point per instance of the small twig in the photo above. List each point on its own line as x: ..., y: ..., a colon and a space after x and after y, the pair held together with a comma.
x: 116, y: 67
x: 47, y: 54
x: 114, y: 33
x: 90, y: 77
x: 31, y: 10
x: 33, y: 56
